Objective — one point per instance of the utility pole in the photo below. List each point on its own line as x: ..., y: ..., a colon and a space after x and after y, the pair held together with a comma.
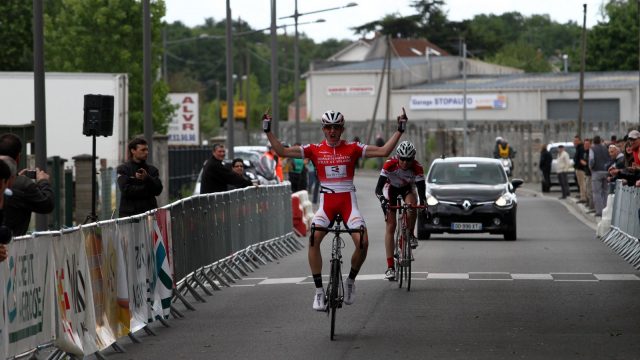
x: 583, y: 51
x: 146, y: 69
x: 275, y: 113
x: 39, y: 98
x: 230, y: 119
x: 464, y: 97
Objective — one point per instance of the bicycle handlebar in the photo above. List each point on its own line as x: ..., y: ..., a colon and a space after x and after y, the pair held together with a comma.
x: 407, y: 206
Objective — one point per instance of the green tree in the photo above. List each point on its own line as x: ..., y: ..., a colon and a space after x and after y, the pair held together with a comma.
x: 613, y: 45
x: 522, y: 56
x: 16, y: 37
x: 99, y: 36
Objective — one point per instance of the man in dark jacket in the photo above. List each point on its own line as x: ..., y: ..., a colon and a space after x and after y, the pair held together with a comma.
x: 29, y: 194
x: 545, y: 166
x: 216, y: 176
x: 139, y: 182
x: 580, y: 167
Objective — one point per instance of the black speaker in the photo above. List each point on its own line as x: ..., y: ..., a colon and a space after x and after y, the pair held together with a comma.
x: 98, y: 115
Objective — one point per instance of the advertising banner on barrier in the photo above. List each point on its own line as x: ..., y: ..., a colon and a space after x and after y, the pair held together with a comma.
x: 29, y: 294
x: 4, y: 335
x: 117, y: 313
x: 138, y: 255
x: 162, y: 286
x: 76, y: 324
x: 101, y: 255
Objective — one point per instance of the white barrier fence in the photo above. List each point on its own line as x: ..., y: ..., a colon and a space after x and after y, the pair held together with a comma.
x: 623, y: 234
x: 81, y: 289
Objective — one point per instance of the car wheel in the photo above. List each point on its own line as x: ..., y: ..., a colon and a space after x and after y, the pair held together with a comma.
x: 423, y: 234
x: 511, y: 235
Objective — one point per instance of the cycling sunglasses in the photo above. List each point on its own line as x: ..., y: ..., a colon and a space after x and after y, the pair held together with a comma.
x: 333, y: 127
x: 407, y: 159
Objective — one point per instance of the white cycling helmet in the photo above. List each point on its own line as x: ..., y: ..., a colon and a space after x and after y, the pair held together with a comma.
x: 332, y: 118
x: 406, y: 150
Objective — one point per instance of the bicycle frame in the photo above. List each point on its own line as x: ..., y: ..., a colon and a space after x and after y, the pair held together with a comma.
x: 335, y: 288
x: 403, y: 252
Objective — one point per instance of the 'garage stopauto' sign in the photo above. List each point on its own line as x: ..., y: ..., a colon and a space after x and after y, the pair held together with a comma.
x: 185, y: 124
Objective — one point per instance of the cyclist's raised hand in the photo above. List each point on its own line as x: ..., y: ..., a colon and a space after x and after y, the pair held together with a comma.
x: 402, y: 121
x: 266, y: 121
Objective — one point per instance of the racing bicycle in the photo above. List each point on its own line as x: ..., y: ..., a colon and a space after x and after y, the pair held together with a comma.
x: 335, y: 288
x: 403, y: 253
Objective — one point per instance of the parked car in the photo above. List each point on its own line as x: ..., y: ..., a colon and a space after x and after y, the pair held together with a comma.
x: 251, y: 156
x: 571, y: 150
x: 469, y: 195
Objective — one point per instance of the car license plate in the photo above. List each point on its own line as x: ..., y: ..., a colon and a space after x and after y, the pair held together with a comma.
x: 466, y: 226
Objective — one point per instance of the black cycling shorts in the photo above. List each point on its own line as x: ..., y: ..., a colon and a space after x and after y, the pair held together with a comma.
x: 394, y: 192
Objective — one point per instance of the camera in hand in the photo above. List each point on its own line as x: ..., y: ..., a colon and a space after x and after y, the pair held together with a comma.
x: 31, y: 174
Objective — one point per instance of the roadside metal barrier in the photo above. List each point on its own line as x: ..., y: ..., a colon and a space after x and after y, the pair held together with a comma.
x: 623, y: 234
x: 79, y: 290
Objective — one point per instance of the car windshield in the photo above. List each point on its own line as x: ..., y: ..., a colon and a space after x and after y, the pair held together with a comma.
x: 467, y: 173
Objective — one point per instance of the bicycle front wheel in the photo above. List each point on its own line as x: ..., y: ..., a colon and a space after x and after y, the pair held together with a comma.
x: 334, y: 293
x: 408, y: 257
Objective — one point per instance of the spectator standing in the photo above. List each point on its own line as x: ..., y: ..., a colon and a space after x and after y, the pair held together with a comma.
x: 579, y: 167
x: 29, y: 194
x: 598, y: 158
x: 270, y: 157
x: 587, y: 174
x: 545, y: 167
x: 216, y: 177
x: 313, y: 183
x: 563, y: 167
x: 297, y: 173
x: 138, y: 181
x: 7, y: 177
x: 237, y: 166
x: 615, y: 164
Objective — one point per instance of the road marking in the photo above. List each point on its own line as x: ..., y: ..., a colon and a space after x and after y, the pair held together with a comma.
x: 282, y: 281
x: 531, y: 277
x: 471, y: 276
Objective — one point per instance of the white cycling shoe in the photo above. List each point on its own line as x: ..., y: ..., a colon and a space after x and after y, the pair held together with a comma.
x: 350, y: 296
x: 318, y: 300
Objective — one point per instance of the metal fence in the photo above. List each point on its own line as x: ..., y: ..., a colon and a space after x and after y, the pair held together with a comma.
x: 625, y: 224
x: 185, y: 163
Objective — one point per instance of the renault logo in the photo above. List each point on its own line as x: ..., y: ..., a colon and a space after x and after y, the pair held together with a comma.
x: 466, y: 204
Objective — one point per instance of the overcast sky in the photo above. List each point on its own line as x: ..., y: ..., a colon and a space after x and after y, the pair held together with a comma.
x: 338, y: 22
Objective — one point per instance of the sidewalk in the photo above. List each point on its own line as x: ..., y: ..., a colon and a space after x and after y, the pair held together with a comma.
x: 571, y: 202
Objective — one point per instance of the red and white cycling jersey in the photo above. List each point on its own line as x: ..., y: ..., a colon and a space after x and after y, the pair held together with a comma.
x: 397, y: 177
x: 335, y: 165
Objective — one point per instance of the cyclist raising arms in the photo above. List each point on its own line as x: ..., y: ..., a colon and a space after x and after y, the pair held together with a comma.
x: 335, y: 161
x: 397, y: 177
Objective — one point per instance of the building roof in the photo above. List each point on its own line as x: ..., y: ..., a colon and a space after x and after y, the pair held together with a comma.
x: 376, y: 64
x: 403, y: 47
x: 550, y: 81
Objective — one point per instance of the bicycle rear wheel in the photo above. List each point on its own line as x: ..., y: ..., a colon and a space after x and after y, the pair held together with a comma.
x: 334, y: 293
x: 408, y: 256
x: 400, y: 269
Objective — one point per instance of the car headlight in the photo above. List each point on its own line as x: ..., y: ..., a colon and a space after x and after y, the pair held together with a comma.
x: 504, y: 200
x: 432, y: 201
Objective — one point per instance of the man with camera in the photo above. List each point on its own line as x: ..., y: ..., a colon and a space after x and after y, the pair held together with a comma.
x: 138, y: 181
x: 31, y: 190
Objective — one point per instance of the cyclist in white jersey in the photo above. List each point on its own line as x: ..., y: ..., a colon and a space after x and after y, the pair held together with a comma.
x: 335, y: 160
x: 399, y: 175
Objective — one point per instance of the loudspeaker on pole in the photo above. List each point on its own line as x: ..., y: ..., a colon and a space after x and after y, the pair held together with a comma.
x: 98, y: 115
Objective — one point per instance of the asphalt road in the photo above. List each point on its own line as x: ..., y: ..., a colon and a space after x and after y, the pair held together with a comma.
x: 555, y: 293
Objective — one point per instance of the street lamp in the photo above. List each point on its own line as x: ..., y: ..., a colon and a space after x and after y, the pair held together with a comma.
x: 296, y: 57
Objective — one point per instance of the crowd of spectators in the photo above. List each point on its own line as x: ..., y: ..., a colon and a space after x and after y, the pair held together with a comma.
x: 600, y: 163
